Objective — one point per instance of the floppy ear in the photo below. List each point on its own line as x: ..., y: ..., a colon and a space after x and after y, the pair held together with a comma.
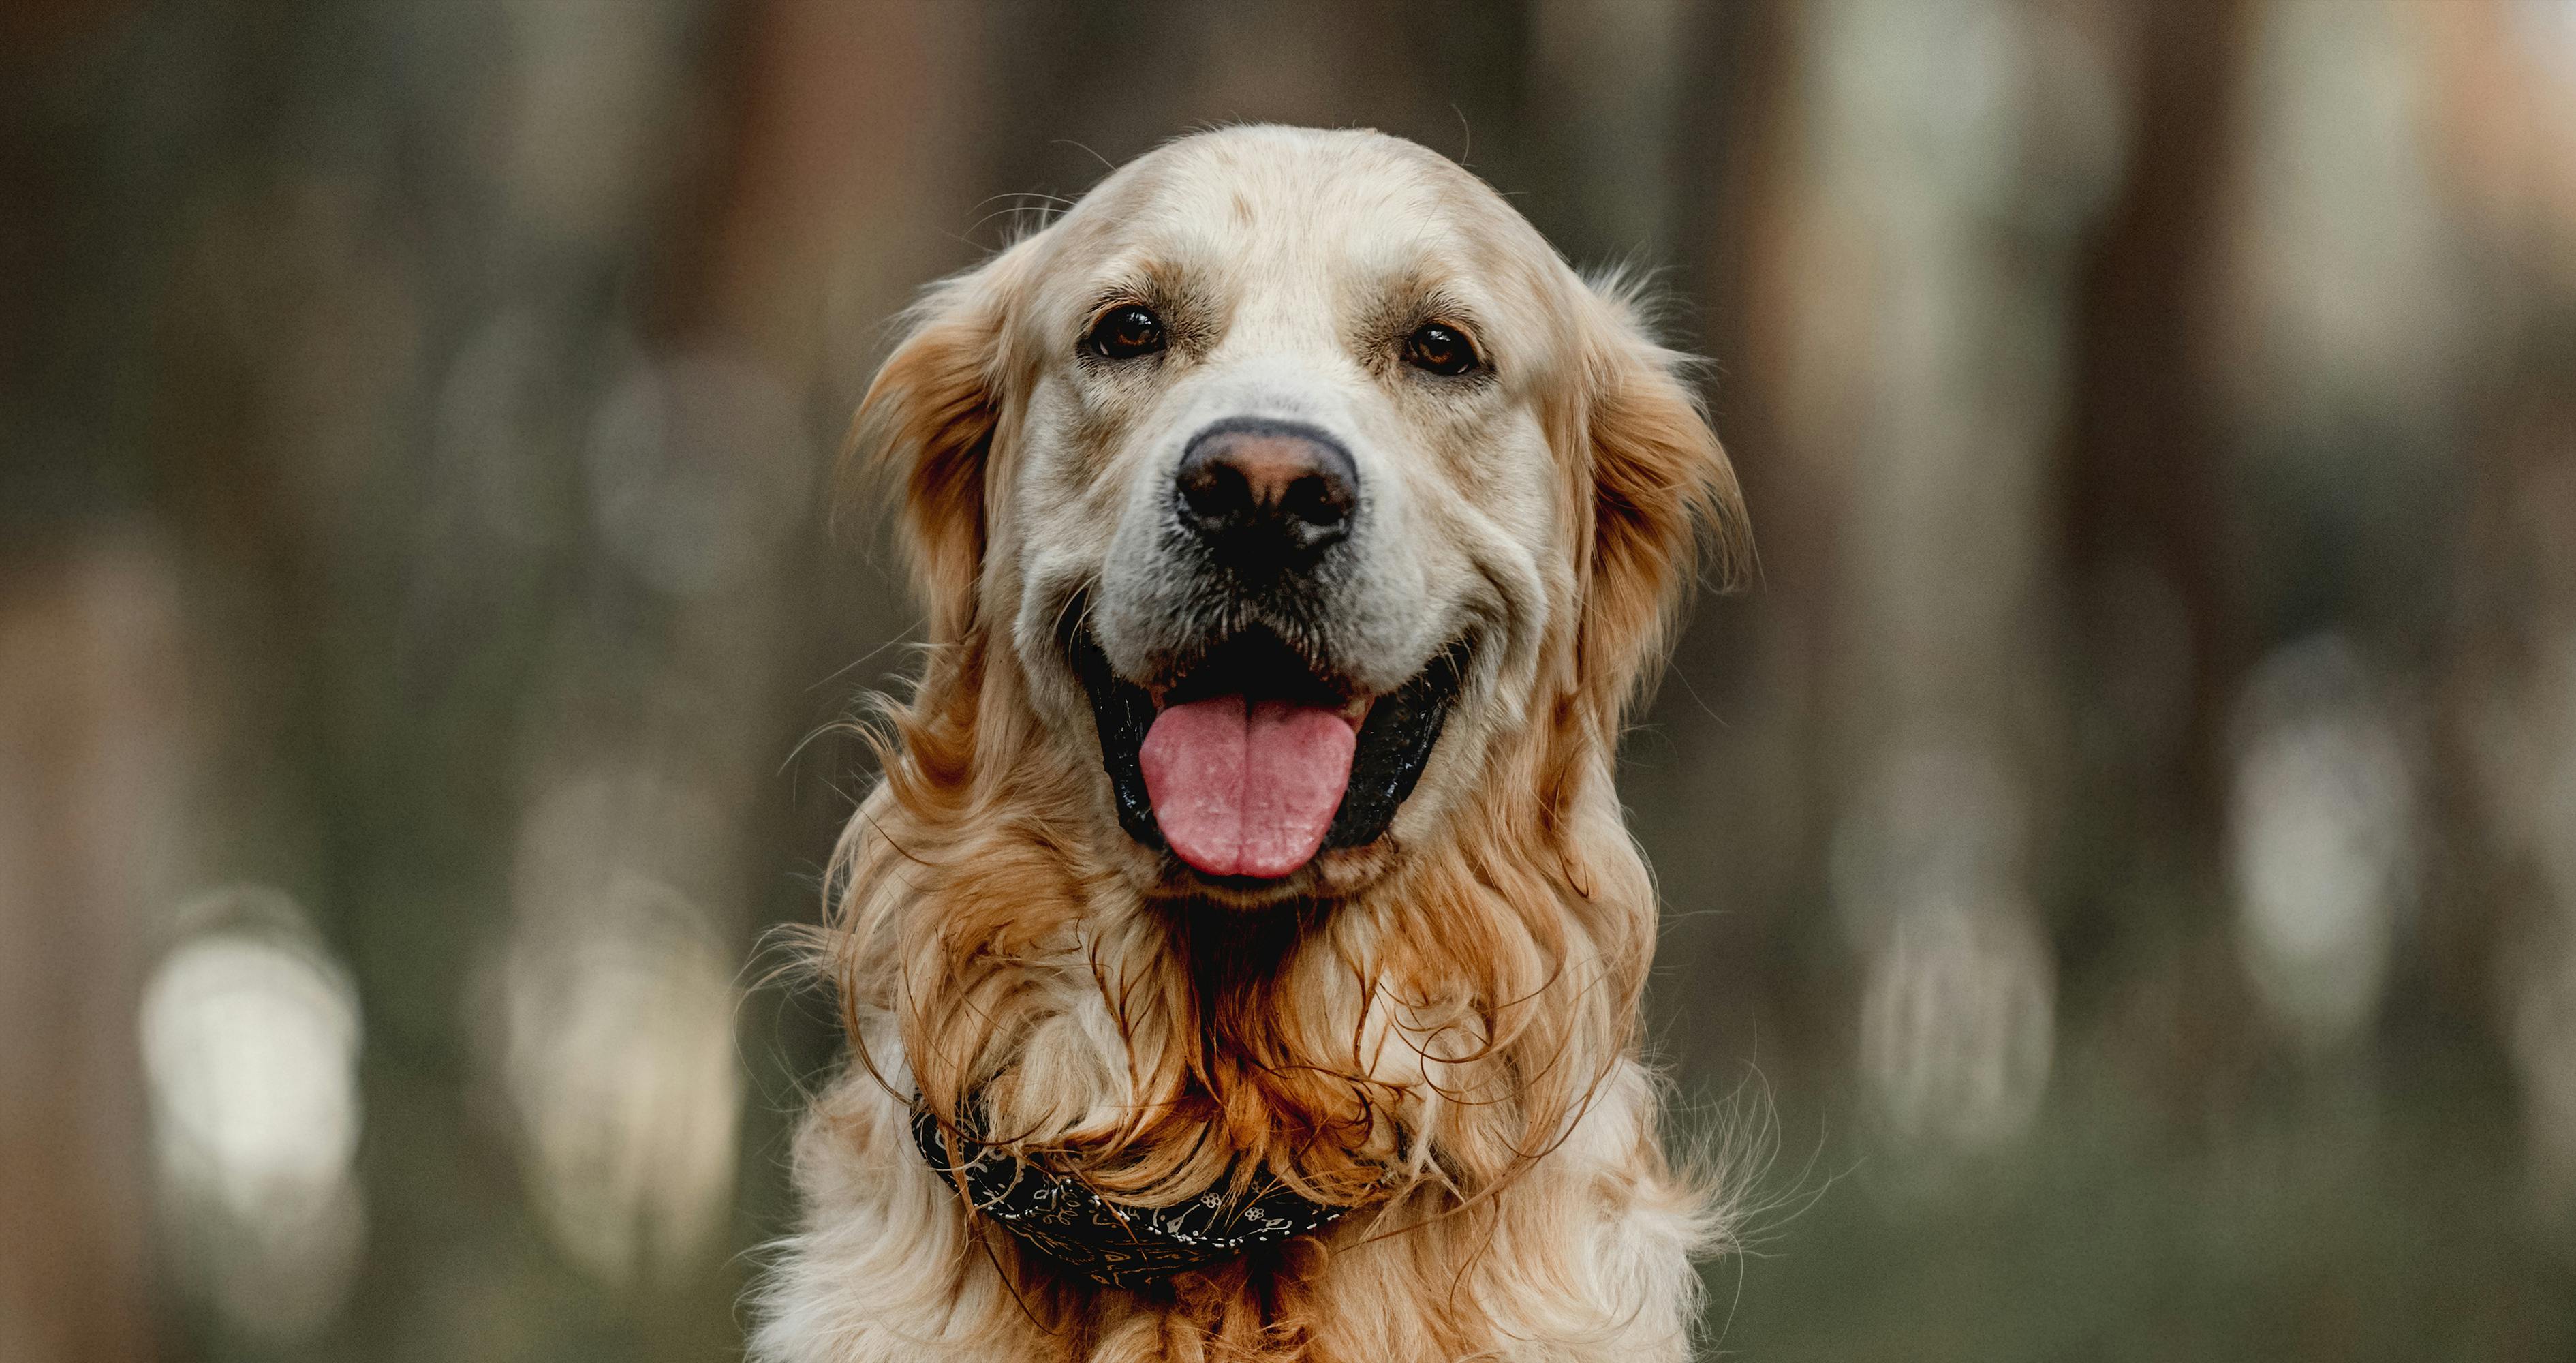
x: 1662, y: 493
x: 926, y: 428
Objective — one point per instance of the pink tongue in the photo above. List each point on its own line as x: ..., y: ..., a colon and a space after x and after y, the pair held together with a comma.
x: 1247, y: 792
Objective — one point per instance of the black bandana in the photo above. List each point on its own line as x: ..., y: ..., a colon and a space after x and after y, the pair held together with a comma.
x: 1113, y: 1244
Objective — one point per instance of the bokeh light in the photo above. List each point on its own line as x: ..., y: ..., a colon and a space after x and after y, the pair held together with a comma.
x: 250, y: 1042
x: 2323, y: 823
x: 617, y: 1009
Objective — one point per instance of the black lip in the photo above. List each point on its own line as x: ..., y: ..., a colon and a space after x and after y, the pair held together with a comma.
x: 1124, y: 712
x: 1395, y: 744
x: 1395, y: 741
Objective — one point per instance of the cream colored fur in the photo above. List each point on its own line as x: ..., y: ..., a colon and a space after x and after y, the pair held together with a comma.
x: 1438, y: 1029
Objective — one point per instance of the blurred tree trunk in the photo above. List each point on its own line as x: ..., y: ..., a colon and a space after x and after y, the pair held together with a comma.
x: 2145, y: 491
x: 2150, y: 571
x: 89, y: 806
x: 2157, y: 604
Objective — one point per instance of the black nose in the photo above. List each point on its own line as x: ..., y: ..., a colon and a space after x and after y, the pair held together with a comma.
x: 1267, y: 493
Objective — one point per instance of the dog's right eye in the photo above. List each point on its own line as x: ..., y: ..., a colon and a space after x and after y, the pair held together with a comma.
x: 1125, y: 334
x: 1442, y: 350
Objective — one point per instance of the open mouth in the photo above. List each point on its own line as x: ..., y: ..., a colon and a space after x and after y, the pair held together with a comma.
x: 1254, y: 760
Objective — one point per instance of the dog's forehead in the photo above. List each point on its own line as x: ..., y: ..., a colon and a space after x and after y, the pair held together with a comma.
x: 1248, y: 206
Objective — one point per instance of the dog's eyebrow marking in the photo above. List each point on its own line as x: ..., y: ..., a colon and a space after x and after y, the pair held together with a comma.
x: 1128, y: 294
x: 1442, y: 305
x: 1155, y: 280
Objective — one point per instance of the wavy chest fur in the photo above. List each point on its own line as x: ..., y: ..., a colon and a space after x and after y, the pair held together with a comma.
x: 1451, y: 1057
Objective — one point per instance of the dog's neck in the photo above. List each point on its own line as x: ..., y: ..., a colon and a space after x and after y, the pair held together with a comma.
x: 1058, y: 1213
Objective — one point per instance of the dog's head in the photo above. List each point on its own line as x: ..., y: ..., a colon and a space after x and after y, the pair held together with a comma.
x: 1281, y: 501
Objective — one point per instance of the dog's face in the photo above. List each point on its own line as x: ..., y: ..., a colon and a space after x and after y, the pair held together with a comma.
x: 1299, y: 480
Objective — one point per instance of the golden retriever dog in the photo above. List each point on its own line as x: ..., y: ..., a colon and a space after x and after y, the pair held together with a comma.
x: 1242, y: 952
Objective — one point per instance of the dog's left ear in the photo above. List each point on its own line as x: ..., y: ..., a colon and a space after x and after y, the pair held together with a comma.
x: 926, y: 429
x: 1663, y: 496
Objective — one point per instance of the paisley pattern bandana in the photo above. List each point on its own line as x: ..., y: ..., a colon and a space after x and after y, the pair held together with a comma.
x: 1110, y: 1243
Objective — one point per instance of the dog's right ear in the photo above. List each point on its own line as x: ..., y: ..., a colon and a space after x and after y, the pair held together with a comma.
x: 926, y: 427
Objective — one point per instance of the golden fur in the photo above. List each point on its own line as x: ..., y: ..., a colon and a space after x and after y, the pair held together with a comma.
x: 1439, y: 1030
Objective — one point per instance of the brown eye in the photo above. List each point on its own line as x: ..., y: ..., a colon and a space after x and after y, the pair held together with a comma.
x: 1125, y: 334
x: 1436, y: 349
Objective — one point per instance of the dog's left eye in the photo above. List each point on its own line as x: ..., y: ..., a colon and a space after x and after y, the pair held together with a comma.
x: 1125, y: 334
x: 1436, y: 349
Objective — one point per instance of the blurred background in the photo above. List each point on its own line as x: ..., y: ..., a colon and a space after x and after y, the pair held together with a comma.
x: 2121, y: 855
